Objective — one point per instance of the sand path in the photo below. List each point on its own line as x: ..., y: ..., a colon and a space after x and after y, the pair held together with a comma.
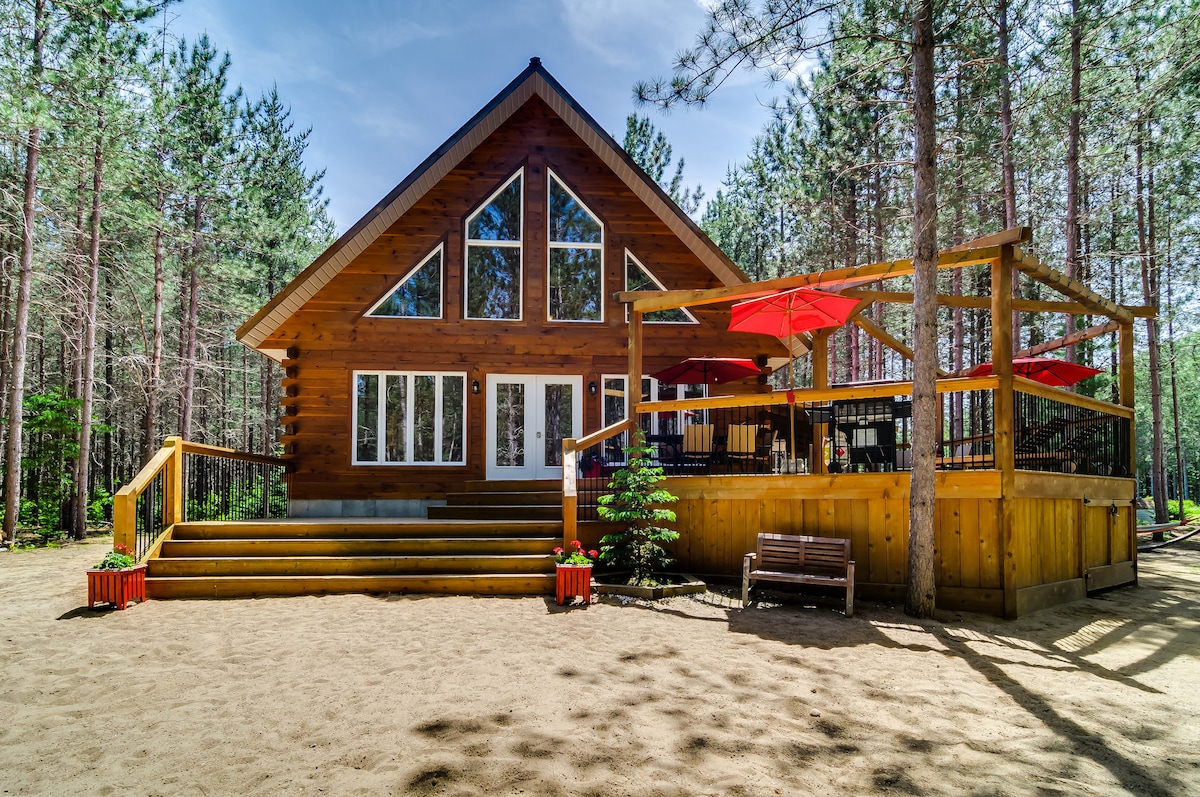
x: 355, y: 695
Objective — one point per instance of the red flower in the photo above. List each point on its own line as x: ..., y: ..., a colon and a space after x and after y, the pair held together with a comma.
x: 577, y: 544
x: 558, y: 550
x: 593, y: 554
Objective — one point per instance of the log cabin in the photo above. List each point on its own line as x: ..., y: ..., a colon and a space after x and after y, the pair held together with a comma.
x: 457, y: 383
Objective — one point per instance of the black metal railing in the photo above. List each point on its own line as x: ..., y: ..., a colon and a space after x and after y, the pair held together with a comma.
x: 1055, y: 436
x: 224, y: 488
x: 968, y: 430
x: 151, y: 516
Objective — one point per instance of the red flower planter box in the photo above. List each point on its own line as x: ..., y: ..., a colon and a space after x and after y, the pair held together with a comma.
x: 572, y: 580
x: 117, y: 587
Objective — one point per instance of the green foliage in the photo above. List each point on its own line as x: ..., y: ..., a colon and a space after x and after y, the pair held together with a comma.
x: 242, y: 503
x: 578, y: 556
x: 637, y: 501
x: 650, y: 149
x: 117, y: 559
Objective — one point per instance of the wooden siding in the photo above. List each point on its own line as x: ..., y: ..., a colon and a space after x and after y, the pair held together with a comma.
x: 330, y: 339
x: 1054, y: 544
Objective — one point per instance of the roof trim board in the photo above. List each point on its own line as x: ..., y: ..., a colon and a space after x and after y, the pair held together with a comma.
x: 533, y: 81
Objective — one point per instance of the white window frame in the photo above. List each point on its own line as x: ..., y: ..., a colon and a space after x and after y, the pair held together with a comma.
x: 437, y: 250
x: 681, y: 415
x: 519, y: 174
x: 552, y: 245
x: 625, y: 280
x: 409, y: 399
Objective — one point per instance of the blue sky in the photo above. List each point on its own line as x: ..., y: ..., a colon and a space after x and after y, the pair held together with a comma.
x: 384, y: 83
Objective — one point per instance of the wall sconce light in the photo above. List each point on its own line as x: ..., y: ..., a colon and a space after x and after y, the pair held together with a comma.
x: 591, y: 388
x: 475, y: 387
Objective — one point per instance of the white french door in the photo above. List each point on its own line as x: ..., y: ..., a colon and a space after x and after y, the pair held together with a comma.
x: 528, y: 417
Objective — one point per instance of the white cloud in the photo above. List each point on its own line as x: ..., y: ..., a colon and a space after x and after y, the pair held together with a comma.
x: 629, y: 32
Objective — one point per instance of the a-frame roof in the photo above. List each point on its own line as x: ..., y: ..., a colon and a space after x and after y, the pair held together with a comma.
x: 533, y: 81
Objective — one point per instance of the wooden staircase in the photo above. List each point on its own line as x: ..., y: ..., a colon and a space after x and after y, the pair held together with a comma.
x: 495, y: 538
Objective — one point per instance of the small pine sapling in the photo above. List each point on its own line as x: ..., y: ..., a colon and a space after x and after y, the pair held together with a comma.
x: 636, y: 503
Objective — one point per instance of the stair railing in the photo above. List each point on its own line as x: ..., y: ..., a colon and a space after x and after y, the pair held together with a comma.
x: 570, y: 462
x: 193, y: 481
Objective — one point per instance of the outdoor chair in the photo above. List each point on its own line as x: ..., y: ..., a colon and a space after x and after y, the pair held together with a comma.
x: 741, y: 443
x: 698, y: 444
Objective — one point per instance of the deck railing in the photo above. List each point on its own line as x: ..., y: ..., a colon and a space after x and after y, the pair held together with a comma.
x: 193, y: 481
x: 1065, y: 433
x: 850, y: 429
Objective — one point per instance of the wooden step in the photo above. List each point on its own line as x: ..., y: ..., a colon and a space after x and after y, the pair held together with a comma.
x: 511, y: 485
x: 481, y: 498
x: 254, y: 586
x: 521, y: 511
x: 364, y: 528
x: 431, y: 546
x: 349, y: 566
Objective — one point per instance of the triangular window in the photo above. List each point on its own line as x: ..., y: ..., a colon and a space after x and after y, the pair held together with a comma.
x: 419, y: 294
x: 639, y: 278
x: 576, y: 267
x: 493, y: 254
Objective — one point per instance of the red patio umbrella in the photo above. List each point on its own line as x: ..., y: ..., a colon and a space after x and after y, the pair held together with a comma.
x: 1047, y: 370
x: 707, y: 371
x: 798, y: 310
x: 782, y: 315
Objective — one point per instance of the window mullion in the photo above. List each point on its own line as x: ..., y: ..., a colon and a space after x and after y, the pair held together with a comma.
x: 410, y: 384
x: 381, y: 423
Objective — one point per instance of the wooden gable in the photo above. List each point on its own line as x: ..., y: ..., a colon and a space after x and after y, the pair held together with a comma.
x: 330, y: 335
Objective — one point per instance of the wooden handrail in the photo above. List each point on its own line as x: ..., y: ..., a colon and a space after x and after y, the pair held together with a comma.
x: 570, y: 490
x: 804, y: 396
x: 597, y: 437
x: 228, y: 453
x: 167, y: 461
x: 1024, y: 385
x: 138, y: 484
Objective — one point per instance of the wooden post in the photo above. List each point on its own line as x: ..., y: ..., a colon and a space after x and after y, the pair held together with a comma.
x: 569, y: 492
x: 1125, y: 360
x: 820, y: 366
x: 125, y: 519
x: 635, y: 361
x: 173, y: 499
x: 1003, y: 417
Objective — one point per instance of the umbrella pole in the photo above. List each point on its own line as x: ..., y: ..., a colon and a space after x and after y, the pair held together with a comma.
x: 791, y: 404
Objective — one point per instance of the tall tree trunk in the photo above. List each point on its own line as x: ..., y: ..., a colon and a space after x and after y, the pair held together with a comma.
x: 1145, y: 223
x: 109, y: 420
x: 16, y: 400
x: 921, y: 587
x: 1007, y: 170
x: 154, y: 370
x: 193, y: 312
x: 87, y: 396
x: 1073, y: 168
x: 1180, y: 473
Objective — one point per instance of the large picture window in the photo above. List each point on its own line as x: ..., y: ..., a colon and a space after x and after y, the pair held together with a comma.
x: 640, y: 278
x: 576, y: 253
x: 418, y: 295
x: 493, y: 255
x: 409, y: 418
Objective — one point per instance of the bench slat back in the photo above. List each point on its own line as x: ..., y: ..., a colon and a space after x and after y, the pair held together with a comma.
x: 800, y: 554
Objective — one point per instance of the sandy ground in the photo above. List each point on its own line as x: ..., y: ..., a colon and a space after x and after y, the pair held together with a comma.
x: 483, y: 696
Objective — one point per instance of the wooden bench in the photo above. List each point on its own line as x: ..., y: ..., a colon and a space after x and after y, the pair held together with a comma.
x: 823, y: 561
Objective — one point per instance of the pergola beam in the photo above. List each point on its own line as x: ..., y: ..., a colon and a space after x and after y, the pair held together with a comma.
x: 1030, y: 265
x: 985, y: 303
x: 649, y: 301
x: 883, y: 336
x: 1070, y: 340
